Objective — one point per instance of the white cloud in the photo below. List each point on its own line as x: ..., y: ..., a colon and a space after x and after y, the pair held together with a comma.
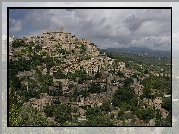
x: 153, y: 42
x: 15, y: 25
x: 150, y: 28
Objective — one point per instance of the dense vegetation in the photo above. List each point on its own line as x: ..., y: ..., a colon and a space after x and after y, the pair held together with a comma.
x: 124, y: 99
x: 20, y: 115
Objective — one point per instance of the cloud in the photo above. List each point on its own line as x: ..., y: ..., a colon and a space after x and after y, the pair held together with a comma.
x: 150, y: 28
x: 132, y: 22
x: 109, y: 26
x: 120, y: 26
x: 154, y: 42
x: 15, y: 25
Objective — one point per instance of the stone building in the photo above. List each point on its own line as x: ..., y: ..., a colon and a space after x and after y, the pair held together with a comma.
x: 44, y: 100
x: 121, y: 66
x: 139, y: 89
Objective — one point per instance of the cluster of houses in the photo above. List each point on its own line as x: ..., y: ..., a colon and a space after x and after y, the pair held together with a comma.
x: 72, y: 61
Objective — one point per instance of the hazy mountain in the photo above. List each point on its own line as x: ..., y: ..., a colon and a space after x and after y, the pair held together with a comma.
x: 141, y: 51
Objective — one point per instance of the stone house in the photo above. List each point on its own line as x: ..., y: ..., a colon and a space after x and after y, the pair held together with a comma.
x: 66, y: 46
x: 115, y: 112
x: 121, y: 66
x: 63, y: 81
x: 64, y: 100
x: 82, y: 118
x: 65, y: 89
x: 164, y: 112
x: 139, y: 89
x: 44, y: 100
x: 81, y: 86
x: 128, y: 73
x: 85, y: 41
x: 114, y: 88
x: 21, y: 74
x: 52, y: 89
x: 157, y: 102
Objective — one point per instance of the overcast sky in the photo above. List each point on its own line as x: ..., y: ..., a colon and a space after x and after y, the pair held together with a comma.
x: 107, y: 28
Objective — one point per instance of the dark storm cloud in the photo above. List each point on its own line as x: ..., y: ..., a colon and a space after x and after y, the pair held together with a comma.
x: 133, y: 23
x: 103, y: 20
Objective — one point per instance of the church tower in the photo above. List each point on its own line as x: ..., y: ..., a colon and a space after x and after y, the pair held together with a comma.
x: 62, y: 30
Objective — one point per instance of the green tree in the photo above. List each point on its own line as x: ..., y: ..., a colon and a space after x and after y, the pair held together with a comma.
x: 49, y: 110
x: 146, y: 71
x: 147, y: 92
x: 119, y: 73
x: 15, y: 82
x: 83, y: 48
x: 145, y: 114
x: 96, y: 111
x: 61, y: 113
x: 48, y: 80
x: 128, y: 81
x: 43, y: 52
x: 32, y: 117
x: 38, y: 48
x: 18, y: 43
x: 101, y: 120
x: 106, y: 106
x: 94, y: 88
x: 123, y: 94
x: 59, y: 91
x: 49, y: 63
x: 98, y: 74
x: 166, y: 103
x: 59, y: 74
x: 84, y: 93
x: 15, y: 118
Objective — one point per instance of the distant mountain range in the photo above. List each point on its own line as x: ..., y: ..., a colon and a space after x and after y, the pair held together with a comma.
x: 140, y: 51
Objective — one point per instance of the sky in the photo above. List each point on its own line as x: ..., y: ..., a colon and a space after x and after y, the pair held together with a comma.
x: 107, y: 28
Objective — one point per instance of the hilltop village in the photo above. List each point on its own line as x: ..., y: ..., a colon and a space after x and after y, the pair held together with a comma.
x: 72, y: 83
